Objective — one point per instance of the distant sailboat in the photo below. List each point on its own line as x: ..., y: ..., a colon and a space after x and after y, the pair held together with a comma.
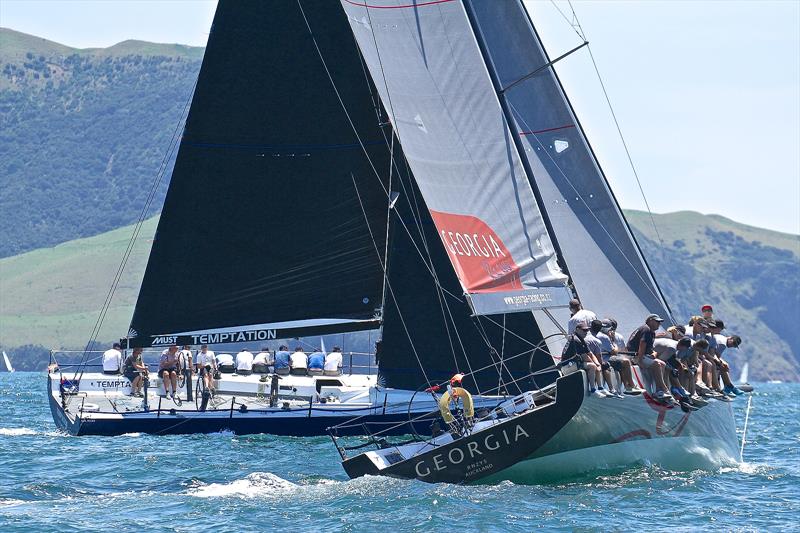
x: 7, y: 361
x: 745, y: 371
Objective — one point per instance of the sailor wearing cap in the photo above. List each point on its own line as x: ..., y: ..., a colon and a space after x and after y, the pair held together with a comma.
x: 578, y: 315
x: 577, y: 350
x: 641, y: 341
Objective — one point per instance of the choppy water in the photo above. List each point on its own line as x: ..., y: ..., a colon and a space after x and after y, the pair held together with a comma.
x: 222, y: 482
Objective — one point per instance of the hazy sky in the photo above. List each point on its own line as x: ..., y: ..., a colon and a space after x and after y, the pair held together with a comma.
x: 707, y: 93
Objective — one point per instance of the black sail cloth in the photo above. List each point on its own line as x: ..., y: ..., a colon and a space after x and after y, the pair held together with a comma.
x: 604, y: 262
x: 262, y: 222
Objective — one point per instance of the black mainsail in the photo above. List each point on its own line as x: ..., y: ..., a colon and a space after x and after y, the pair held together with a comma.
x: 603, y: 259
x: 274, y: 213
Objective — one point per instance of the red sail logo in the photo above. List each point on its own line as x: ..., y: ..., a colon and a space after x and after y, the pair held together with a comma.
x: 482, y: 261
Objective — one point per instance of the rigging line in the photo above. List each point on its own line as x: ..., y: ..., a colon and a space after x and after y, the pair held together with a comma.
x: 523, y: 339
x: 350, y: 120
x: 375, y: 171
x: 619, y: 131
x: 447, y: 110
x: 590, y: 210
x: 416, y: 211
x: 388, y: 284
x: 573, y: 23
x: 461, y: 344
x: 137, y: 228
x: 395, y: 122
x: 389, y: 206
x: 499, y: 363
x: 502, y: 353
x: 627, y: 151
x: 388, y: 193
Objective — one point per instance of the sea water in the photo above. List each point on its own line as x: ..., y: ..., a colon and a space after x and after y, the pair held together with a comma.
x: 225, y: 483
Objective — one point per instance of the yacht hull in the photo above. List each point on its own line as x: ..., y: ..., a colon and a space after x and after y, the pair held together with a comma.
x: 81, y: 417
x: 610, y: 433
x: 490, y: 449
x: 575, y: 435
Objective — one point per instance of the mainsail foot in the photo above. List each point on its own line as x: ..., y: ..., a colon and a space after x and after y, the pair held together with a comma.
x: 487, y: 449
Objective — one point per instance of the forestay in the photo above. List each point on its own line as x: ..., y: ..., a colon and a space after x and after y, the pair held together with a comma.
x: 602, y: 258
x: 275, y: 216
x: 433, y: 81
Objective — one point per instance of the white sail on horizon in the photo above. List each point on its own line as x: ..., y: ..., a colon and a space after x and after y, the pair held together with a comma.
x: 745, y: 371
x: 7, y: 361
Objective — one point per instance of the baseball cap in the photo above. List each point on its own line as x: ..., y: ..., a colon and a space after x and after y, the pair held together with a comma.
x: 706, y: 307
x: 653, y: 316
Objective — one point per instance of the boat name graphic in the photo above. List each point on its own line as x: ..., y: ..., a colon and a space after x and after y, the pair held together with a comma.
x: 473, y: 449
x: 471, y: 245
x: 110, y: 384
x: 217, y: 338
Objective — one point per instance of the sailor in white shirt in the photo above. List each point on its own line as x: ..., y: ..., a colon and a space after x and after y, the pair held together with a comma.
x: 244, y: 362
x: 205, y: 363
x: 579, y: 316
x: 262, y: 361
x: 333, y: 362
x: 299, y: 362
x: 205, y: 358
x: 112, y: 360
x: 225, y: 363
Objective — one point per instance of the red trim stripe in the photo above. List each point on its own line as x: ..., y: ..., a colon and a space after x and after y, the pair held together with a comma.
x: 405, y: 6
x: 523, y: 133
x: 633, y: 434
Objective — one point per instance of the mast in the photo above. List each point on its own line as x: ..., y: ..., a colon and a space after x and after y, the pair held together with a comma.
x: 518, y: 143
x: 597, y: 161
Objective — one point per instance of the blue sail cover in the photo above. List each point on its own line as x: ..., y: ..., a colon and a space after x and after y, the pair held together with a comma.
x: 433, y: 81
x: 603, y: 260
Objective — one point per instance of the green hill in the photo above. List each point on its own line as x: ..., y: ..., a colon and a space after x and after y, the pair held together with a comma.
x: 84, y: 133
x: 750, y: 275
x: 51, y: 296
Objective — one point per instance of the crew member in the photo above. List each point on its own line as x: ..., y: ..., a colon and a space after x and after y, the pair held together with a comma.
x: 112, y: 360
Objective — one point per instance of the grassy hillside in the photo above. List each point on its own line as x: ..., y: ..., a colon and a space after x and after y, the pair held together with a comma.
x: 52, y: 296
x: 84, y: 133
